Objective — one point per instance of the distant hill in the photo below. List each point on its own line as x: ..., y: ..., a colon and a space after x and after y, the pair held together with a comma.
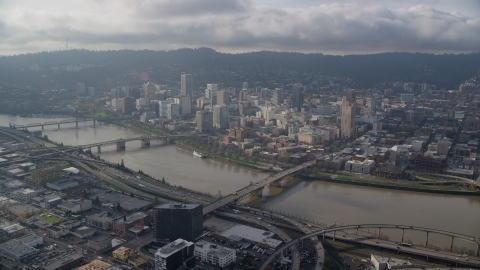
x: 445, y: 71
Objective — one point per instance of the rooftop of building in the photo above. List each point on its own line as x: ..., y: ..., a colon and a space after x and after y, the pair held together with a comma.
x: 63, y: 261
x: 95, y: 265
x: 213, y: 249
x: 28, y: 238
x: 13, y: 228
x: 172, y: 247
x: 123, y: 250
x: 16, y: 247
x: 62, y: 181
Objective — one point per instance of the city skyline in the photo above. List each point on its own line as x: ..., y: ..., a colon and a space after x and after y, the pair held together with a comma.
x: 345, y: 27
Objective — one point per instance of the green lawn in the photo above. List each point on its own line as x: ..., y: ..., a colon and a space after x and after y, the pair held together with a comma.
x: 52, y: 219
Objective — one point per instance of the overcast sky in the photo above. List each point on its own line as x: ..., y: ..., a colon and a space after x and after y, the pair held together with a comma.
x: 330, y: 27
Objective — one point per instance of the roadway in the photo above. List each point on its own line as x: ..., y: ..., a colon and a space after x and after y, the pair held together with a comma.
x: 246, y: 190
x: 299, y: 225
x: 260, y: 222
x: 425, y: 252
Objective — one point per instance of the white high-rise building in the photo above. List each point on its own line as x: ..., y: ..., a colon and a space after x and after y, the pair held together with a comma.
x: 214, y: 254
x: 173, y: 111
x: 211, y: 92
x: 162, y: 108
x: 91, y: 91
x: 186, y: 84
x: 80, y: 88
x: 220, y: 116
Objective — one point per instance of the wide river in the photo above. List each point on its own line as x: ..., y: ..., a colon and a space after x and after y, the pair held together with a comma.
x: 319, y: 201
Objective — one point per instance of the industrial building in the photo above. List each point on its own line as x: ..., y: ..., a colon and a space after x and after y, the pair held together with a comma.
x: 62, y: 184
x: 46, y: 175
x: 357, y: 166
x: 121, y: 225
x: 100, y: 244
x: 176, y: 220
x: 17, y: 251
x: 31, y: 239
x: 214, y: 254
x: 384, y: 263
x: 173, y: 255
x: 66, y: 262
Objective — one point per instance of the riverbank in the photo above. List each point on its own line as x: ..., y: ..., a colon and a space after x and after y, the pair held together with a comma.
x: 183, y: 144
x: 387, y: 184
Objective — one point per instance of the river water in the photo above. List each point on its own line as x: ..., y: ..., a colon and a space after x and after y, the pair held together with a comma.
x: 314, y: 200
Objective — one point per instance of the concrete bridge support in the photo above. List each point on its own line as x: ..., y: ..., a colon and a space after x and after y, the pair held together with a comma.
x: 403, y: 234
x: 323, y: 237
x: 426, y: 241
x: 99, y: 149
x: 145, y: 142
x: 94, y: 122
x: 379, y: 232
x: 58, y: 125
x: 451, y: 245
x: 120, y: 145
x: 76, y: 124
x: 478, y: 250
x: 42, y: 127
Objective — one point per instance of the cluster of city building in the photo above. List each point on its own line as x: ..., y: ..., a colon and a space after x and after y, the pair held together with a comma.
x: 387, y: 132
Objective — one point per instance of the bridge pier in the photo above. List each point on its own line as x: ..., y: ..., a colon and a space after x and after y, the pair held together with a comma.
x: 76, y: 124
x: 356, y: 231
x: 94, y: 122
x: 379, y: 229
x: 120, y: 145
x: 58, y: 125
x: 426, y: 240
x: 42, y: 128
x: 451, y: 245
x: 145, y: 142
x: 99, y: 149
x: 403, y: 234
x: 323, y: 240
x: 478, y: 250
x: 334, y: 232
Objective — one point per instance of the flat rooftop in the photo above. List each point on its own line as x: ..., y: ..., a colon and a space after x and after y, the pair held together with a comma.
x: 63, y: 261
x: 16, y: 247
x: 172, y: 247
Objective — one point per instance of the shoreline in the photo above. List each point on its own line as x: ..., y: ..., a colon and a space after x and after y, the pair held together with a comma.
x: 386, y: 186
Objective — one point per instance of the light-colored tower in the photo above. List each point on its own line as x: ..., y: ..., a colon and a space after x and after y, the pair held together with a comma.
x: 211, y: 92
x: 186, y: 84
x: 81, y: 88
x: 222, y: 97
x: 348, y: 114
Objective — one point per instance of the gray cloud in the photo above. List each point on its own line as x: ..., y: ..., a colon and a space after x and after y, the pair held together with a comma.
x: 236, y: 25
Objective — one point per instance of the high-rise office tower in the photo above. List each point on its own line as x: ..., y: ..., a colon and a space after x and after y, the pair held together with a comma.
x: 220, y: 116
x: 222, y: 97
x: 162, y: 108
x: 348, y: 114
x: 277, y: 98
x: 245, y: 85
x: 173, y: 111
x: 176, y: 220
x: 128, y: 105
x: 373, y: 105
x: 186, y: 85
x: 148, y: 88
x: 297, y: 100
x: 211, y: 92
x: 185, y: 103
x: 80, y: 88
x: 204, y: 121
